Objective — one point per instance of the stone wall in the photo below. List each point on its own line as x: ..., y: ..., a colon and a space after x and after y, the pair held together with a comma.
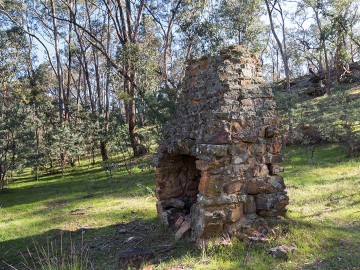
x: 215, y: 170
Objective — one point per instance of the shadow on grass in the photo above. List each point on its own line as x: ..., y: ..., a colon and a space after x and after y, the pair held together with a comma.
x: 102, y: 245
x: 78, y: 185
x: 69, y: 172
x: 333, y: 247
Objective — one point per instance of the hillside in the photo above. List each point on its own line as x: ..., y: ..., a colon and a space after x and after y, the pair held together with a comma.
x: 321, y: 119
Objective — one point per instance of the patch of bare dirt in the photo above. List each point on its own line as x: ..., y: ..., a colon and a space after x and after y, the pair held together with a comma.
x: 133, y: 244
x: 55, y: 204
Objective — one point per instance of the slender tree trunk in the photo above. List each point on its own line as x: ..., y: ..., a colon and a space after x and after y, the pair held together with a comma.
x: 277, y: 66
x: 100, y: 111
x: 1, y: 178
x: 59, y: 73
x: 37, y: 136
x: 106, y: 100
x: 103, y: 150
x: 67, y: 94
x: 323, y: 47
x: 321, y: 67
x: 281, y: 45
x: 138, y: 149
x: 78, y: 92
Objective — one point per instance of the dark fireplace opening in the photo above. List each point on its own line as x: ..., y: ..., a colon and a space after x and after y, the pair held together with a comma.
x: 186, y: 177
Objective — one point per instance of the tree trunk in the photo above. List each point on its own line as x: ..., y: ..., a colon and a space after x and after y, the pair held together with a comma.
x: 59, y: 72
x: 281, y: 46
x: 323, y: 47
x: 1, y: 179
x: 104, y: 151
x: 138, y: 149
x: 67, y: 94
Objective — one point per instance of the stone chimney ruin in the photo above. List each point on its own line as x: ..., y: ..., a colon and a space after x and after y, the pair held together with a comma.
x: 216, y: 169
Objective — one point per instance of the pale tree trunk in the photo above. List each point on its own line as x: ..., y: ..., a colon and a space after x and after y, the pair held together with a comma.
x: 323, y: 47
x: 2, y: 180
x: 283, y: 52
x: 166, y: 32
x: 67, y: 94
x: 59, y: 71
x: 282, y: 45
x: 106, y: 98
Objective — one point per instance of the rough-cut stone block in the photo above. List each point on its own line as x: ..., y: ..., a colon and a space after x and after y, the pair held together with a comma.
x: 211, y: 149
x: 221, y: 200
x: 247, y: 102
x: 274, y: 169
x: 168, y: 193
x: 270, y: 132
x: 266, y: 184
x: 176, y: 203
x: 179, y: 221
x: 233, y: 188
x: 282, y: 252
x: 159, y: 209
x: 275, y: 147
x: 269, y: 158
x: 250, y: 206
x: 202, y: 165
x: 261, y: 170
x: 204, y: 183
x: 260, y: 149
x: 238, y: 160
x: 273, y: 201
x: 183, y: 229
x: 247, y: 73
x: 236, y: 213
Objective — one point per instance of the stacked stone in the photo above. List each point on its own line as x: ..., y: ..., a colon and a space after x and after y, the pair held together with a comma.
x: 222, y: 145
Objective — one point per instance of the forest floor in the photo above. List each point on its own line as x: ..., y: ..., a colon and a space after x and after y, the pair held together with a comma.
x: 89, y: 218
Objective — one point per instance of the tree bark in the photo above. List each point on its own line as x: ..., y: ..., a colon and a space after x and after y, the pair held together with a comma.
x: 103, y: 150
x: 136, y: 146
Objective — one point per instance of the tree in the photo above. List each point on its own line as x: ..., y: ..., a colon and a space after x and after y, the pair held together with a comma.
x: 125, y: 18
x: 241, y: 19
x: 271, y: 7
x: 13, y: 134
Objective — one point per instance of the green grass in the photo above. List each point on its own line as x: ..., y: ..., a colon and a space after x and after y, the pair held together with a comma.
x: 112, y: 215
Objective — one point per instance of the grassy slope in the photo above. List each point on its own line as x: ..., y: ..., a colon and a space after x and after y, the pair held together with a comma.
x: 328, y: 112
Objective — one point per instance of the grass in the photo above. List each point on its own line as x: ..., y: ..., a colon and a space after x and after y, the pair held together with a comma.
x: 112, y: 215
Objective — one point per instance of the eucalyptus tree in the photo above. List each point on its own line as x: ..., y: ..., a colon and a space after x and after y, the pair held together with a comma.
x: 274, y: 7
x: 343, y: 17
x: 241, y: 19
x: 13, y: 112
x: 124, y: 19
